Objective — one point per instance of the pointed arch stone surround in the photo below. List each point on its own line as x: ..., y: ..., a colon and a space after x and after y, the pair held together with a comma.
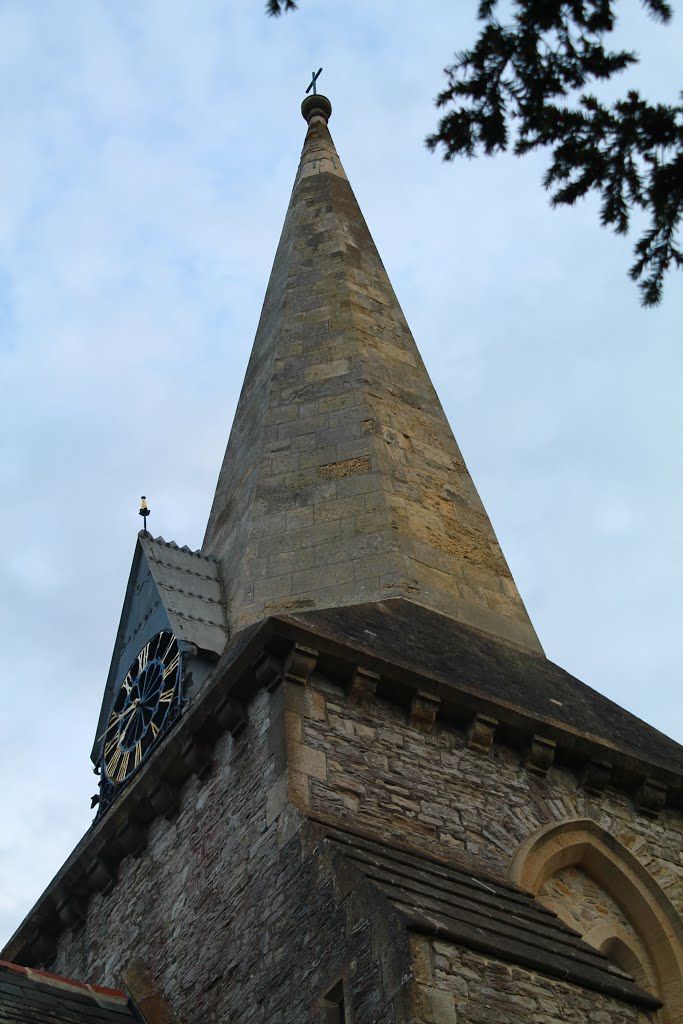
x: 582, y: 843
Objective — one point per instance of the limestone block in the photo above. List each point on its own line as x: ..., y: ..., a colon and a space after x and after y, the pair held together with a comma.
x: 421, y: 949
x: 433, y: 1005
x: 299, y: 789
x: 315, y: 705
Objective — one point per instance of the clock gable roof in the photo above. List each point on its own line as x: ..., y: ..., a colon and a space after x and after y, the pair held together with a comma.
x: 169, y: 587
x: 190, y: 588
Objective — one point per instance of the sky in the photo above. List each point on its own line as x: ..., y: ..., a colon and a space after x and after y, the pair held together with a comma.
x: 149, y: 148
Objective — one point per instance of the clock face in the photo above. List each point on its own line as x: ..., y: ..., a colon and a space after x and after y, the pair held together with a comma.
x: 147, y: 702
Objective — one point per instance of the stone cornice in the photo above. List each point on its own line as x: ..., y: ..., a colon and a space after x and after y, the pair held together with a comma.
x: 543, y: 741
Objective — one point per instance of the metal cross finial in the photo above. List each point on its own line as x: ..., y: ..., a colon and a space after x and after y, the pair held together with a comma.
x: 315, y: 75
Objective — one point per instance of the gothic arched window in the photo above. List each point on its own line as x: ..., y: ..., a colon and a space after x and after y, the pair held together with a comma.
x: 597, y: 886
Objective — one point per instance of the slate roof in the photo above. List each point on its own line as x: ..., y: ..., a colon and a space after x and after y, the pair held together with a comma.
x: 185, y: 588
x: 37, y: 997
x: 190, y: 588
x: 484, y: 914
x: 469, y: 665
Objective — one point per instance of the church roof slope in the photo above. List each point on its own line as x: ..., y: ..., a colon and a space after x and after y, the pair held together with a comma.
x: 483, y: 671
x: 482, y: 913
x: 29, y: 996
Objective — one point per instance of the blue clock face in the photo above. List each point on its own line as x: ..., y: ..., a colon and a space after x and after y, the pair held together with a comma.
x: 146, y: 703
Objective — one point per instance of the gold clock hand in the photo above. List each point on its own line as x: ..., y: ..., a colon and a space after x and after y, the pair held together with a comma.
x: 125, y: 730
x: 131, y: 707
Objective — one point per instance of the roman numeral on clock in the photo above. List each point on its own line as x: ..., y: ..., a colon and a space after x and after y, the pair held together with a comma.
x: 113, y: 762
x: 121, y: 774
x: 172, y: 665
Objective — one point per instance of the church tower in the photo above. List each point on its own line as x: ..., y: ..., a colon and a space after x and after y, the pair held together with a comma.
x: 340, y: 780
x: 342, y: 482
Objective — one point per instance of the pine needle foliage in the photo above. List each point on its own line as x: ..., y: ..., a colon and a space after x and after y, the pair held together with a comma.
x: 276, y: 7
x: 517, y: 89
x: 525, y: 84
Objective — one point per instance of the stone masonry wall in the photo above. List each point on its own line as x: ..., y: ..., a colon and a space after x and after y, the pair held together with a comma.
x: 242, y: 912
x: 236, y: 911
x: 368, y: 767
x: 463, y: 986
x: 580, y: 901
x: 342, y: 482
x: 584, y: 905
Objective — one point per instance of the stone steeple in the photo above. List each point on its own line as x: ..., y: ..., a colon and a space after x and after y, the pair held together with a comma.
x: 342, y: 482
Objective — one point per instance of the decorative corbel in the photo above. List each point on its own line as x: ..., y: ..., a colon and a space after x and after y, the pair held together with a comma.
x: 481, y: 732
x: 101, y: 875
x: 175, y: 770
x: 132, y: 836
x: 299, y: 664
x: 232, y: 715
x: 363, y: 687
x: 268, y: 670
x: 541, y: 755
x: 596, y: 776
x: 165, y: 799
x: 42, y: 947
x: 423, y: 710
x: 71, y: 910
x: 650, y: 797
x: 196, y: 757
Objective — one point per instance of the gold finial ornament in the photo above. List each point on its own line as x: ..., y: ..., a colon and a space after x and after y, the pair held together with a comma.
x: 144, y: 511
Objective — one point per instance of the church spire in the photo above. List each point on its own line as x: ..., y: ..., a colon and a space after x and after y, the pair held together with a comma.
x: 342, y: 482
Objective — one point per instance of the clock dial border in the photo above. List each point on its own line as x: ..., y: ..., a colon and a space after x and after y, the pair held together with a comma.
x: 146, y: 704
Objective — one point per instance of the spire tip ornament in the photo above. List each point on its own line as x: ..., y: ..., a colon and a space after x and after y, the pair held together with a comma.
x: 144, y: 512
x: 315, y: 107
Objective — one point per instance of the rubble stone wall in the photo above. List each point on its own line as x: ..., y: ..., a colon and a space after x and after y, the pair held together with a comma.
x: 235, y: 911
x: 453, y: 984
x: 242, y: 913
x: 369, y: 767
x: 373, y: 769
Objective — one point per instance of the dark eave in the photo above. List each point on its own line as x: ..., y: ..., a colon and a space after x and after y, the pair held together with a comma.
x: 412, y: 647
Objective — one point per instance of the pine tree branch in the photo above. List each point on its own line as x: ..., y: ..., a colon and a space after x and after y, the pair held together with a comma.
x: 516, y: 89
x: 522, y: 87
x: 274, y: 8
